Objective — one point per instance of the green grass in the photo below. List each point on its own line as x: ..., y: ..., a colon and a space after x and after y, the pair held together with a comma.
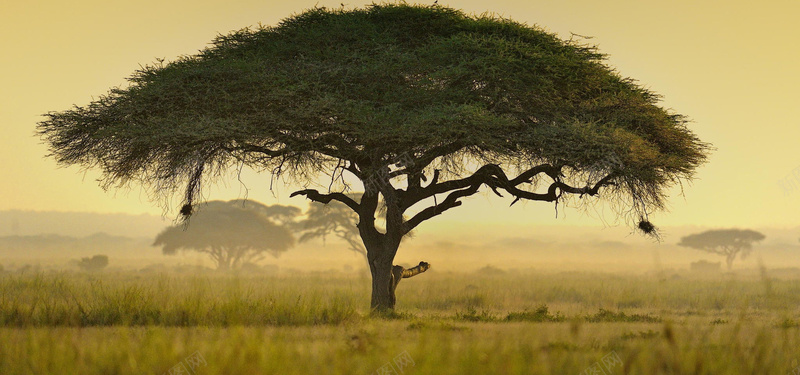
x: 610, y: 316
x: 541, y: 314
x: 105, y: 300
x: 513, y: 323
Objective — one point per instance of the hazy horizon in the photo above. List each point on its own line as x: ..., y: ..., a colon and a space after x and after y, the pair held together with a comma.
x: 465, y: 247
x: 151, y: 224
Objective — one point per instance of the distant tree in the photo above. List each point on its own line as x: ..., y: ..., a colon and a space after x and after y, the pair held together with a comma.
x: 726, y: 242
x: 322, y: 220
x: 231, y: 233
x: 278, y: 214
x: 95, y: 263
x: 424, y: 106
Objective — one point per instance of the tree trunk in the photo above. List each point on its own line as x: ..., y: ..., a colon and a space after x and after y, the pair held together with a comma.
x: 729, y: 260
x: 381, y: 247
x: 380, y: 265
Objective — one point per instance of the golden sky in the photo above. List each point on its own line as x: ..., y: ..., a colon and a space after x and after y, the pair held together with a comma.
x: 731, y: 66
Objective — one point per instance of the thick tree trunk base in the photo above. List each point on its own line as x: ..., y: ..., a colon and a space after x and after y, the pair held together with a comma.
x: 383, y: 298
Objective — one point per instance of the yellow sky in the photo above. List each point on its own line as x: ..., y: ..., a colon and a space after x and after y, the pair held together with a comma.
x: 730, y: 66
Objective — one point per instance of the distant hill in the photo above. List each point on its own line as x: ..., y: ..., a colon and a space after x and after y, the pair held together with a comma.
x: 43, y: 243
x: 79, y: 224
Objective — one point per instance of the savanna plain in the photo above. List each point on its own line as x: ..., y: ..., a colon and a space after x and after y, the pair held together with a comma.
x: 489, y: 321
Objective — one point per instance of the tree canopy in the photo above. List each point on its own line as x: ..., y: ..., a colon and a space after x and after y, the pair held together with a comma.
x: 231, y: 233
x: 413, y: 101
x: 727, y: 242
x: 372, y: 85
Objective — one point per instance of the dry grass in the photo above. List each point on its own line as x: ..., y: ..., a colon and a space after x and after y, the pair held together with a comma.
x: 127, y: 323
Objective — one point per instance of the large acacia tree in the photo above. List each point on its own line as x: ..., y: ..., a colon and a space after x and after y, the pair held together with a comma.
x: 424, y: 105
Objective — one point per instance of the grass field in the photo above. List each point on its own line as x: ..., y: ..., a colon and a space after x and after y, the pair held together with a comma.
x: 446, y: 323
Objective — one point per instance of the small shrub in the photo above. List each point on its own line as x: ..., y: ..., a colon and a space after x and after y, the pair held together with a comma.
x: 541, y: 314
x: 609, y: 316
x: 95, y: 263
x: 471, y: 315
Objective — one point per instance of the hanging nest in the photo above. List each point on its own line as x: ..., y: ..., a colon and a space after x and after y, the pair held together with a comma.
x: 186, y: 210
x: 648, y: 228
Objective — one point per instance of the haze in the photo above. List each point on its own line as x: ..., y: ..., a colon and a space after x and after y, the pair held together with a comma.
x: 528, y: 289
x: 730, y: 66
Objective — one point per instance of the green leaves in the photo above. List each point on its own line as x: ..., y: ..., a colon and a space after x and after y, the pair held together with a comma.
x: 368, y: 84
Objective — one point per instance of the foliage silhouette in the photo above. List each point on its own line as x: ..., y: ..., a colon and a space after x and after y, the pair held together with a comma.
x: 95, y: 263
x: 727, y: 242
x: 332, y: 219
x: 230, y: 233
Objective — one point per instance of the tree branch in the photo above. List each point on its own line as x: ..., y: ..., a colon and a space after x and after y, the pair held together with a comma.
x: 483, y: 175
x: 251, y: 148
x: 451, y: 201
x: 435, y: 178
x: 495, y: 178
x: 435, y: 152
x: 416, y: 166
x: 316, y: 196
x: 553, y: 191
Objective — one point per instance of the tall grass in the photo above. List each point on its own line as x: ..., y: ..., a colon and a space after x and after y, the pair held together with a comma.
x: 88, y: 300
x: 515, y: 323
x: 77, y: 299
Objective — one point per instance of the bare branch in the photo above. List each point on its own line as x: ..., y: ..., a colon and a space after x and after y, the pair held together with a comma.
x: 435, y: 178
x: 495, y: 178
x: 483, y: 175
x: 451, y: 201
x: 316, y: 196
